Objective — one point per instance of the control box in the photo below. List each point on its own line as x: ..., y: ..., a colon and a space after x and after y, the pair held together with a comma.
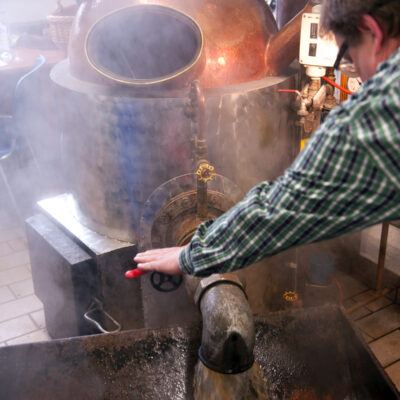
x: 314, y: 49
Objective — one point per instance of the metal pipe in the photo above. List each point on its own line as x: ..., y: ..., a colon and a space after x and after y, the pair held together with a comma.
x: 228, y: 334
x: 198, y: 114
x: 283, y: 47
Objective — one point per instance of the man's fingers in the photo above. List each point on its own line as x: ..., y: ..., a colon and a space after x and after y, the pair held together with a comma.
x: 156, y: 251
x: 148, y: 266
x: 144, y: 258
x: 162, y: 260
x: 161, y: 265
x: 154, y: 254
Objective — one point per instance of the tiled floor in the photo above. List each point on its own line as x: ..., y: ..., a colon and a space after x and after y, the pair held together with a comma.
x: 22, y: 317
x: 21, y: 312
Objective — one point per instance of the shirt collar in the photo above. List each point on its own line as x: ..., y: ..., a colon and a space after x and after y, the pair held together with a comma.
x: 393, y: 59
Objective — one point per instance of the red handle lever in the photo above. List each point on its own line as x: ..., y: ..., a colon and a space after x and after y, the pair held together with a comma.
x: 134, y: 273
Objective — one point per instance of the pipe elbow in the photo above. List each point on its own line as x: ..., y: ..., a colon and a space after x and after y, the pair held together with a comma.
x: 228, y: 333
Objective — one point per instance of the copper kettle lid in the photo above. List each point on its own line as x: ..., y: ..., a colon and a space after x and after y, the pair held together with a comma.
x: 146, y: 45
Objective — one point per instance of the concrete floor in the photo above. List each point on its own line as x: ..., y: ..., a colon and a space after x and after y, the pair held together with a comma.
x: 22, y: 317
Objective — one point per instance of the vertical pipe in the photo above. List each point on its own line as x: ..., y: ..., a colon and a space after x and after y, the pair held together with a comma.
x: 198, y: 104
x: 382, y: 256
x: 287, y: 9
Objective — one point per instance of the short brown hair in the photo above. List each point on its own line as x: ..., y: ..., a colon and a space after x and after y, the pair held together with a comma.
x: 342, y: 17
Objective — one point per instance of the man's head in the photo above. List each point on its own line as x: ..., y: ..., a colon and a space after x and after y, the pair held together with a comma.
x: 370, y: 29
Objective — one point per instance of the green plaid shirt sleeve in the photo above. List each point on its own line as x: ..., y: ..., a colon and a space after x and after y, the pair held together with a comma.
x: 346, y: 178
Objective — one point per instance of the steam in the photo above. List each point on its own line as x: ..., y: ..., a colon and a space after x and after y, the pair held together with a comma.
x: 27, y: 12
x: 143, y: 43
x: 209, y: 384
x: 115, y: 148
x: 33, y: 169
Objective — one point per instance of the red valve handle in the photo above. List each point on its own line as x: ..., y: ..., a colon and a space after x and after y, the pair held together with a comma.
x: 134, y: 273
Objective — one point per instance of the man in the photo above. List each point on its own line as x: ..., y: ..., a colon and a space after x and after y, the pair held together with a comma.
x: 346, y: 178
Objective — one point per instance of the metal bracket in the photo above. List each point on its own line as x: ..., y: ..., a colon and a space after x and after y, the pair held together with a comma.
x: 96, y: 305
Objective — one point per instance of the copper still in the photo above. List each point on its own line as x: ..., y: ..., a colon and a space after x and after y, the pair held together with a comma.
x: 240, y: 38
x: 132, y: 143
x: 129, y: 68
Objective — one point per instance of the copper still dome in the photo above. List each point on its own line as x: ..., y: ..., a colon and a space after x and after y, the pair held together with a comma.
x: 227, y: 42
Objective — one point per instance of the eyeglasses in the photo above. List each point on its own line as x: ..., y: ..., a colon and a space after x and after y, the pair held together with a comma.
x: 345, y: 66
x: 343, y: 48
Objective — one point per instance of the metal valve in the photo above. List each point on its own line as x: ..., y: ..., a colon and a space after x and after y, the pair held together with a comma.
x: 205, y: 172
x: 290, y: 296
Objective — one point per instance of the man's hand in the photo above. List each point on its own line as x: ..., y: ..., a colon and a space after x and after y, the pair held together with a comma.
x: 161, y: 260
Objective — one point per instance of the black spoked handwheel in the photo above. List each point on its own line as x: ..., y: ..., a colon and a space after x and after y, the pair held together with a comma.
x: 165, y: 283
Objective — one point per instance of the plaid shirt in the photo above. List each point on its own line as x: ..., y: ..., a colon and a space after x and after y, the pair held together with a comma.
x: 346, y: 178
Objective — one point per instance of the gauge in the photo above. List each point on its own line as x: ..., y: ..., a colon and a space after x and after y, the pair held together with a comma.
x: 348, y: 68
x: 353, y: 83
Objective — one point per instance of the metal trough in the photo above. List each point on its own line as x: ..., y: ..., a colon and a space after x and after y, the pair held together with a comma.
x: 306, y: 354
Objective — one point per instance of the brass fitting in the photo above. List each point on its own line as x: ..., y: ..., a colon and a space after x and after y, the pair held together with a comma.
x: 291, y: 296
x: 205, y: 172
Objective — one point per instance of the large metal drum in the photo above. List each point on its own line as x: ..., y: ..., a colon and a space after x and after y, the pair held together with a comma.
x: 125, y: 91
x: 119, y: 148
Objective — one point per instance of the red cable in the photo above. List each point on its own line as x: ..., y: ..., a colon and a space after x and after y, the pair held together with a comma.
x: 336, y: 85
x: 287, y: 90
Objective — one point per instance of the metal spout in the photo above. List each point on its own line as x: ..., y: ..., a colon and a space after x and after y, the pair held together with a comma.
x: 283, y: 47
x: 228, y: 333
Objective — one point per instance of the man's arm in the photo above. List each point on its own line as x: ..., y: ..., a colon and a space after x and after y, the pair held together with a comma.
x: 332, y: 188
